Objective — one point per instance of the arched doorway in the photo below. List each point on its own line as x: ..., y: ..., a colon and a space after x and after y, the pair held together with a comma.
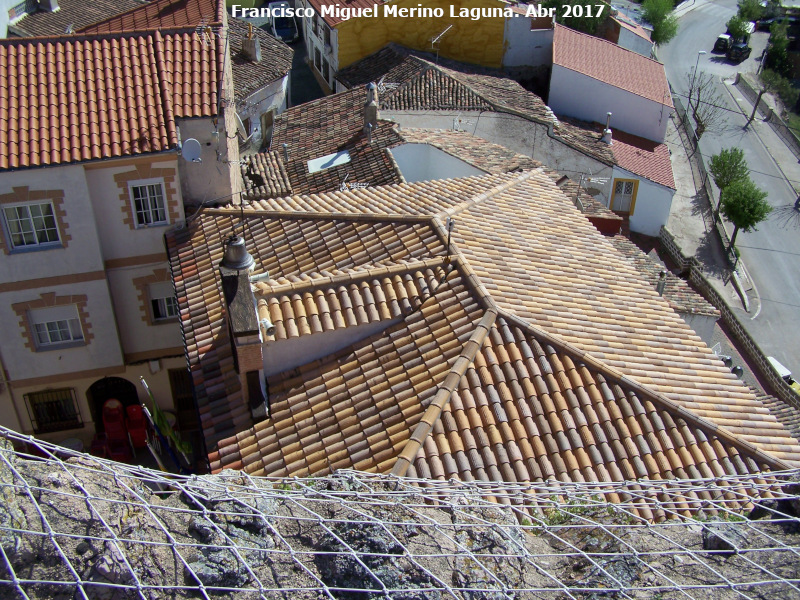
x: 109, y: 387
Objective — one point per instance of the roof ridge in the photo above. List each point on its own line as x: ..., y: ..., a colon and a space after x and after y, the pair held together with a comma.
x: 309, y: 215
x: 74, y: 37
x: 165, y: 86
x: 640, y: 389
x: 490, y: 193
x: 446, y: 389
x: 374, y: 272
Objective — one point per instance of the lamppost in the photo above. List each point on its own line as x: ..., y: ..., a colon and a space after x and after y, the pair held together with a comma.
x: 694, y: 75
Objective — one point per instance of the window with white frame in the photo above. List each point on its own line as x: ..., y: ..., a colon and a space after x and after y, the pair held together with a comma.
x: 31, y: 225
x: 163, y: 303
x: 56, y: 326
x: 149, y: 205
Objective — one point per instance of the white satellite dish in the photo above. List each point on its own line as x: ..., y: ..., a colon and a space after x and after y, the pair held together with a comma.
x: 191, y: 151
x: 241, y: 129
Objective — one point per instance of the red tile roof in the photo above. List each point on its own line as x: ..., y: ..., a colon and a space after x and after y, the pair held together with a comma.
x: 74, y: 14
x: 92, y: 97
x: 611, y: 64
x: 162, y: 14
x: 643, y: 157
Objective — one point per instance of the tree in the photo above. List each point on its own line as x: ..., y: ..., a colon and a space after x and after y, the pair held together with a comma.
x: 737, y: 27
x: 706, y: 104
x: 587, y: 23
x: 659, y: 13
x: 744, y: 205
x: 778, y: 49
x: 750, y: 10
x: 728, y: 166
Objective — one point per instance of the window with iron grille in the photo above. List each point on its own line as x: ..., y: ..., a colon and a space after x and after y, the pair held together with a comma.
x: 20, y: 10
x: 53, y: 410
x: 31, y: 225
x: 149, y: 207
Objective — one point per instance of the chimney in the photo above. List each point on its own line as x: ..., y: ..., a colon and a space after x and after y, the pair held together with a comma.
x: 607, y: 131
x: 49, y: 5
x: 371, y: 108
x: 251, y: 46
x: 662, y: 282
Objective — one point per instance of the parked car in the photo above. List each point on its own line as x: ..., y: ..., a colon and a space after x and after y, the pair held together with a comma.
x: 723, y: 43
x: 283, y: 28
x: 739, y: 52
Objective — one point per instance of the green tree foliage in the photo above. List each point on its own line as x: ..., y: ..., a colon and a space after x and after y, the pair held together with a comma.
x: 737, y: 27
x: 778, y: 50
x: 744, y: 205
x: 728, y: 166
x: 586, y: 24
x: 659, y: 13
x: 750, y: 10
x: 776, y: 84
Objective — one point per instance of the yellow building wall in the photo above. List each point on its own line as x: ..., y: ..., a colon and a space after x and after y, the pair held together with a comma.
x: 478, y: 42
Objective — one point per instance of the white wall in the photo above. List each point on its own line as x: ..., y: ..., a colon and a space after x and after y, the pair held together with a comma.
x: 83, y: 251
x: 271, y: 97
x: 136, y: 334
x: 703, y: 326
x: 117, y: 238
x: 631, y: 41
x: 653, y: 203
x: 101, y: 351
x: 280, y: 356
x: 422, y: 162
x: 516, y: 133
x: 576, y: 95
x: 524, y: 47
x: 210, y: 179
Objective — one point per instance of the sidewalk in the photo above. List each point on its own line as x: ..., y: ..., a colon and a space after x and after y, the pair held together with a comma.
x: 786, y: 162
x: 691, y: 221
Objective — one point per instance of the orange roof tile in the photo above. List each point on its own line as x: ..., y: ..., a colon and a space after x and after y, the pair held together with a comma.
x: 611, y: 64
x: 540, y: 352
x: 103, y: 96
x: 643, y: 157
x: 162, y: 14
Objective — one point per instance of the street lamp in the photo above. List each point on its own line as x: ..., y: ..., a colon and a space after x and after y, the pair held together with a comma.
x: 694, y: 75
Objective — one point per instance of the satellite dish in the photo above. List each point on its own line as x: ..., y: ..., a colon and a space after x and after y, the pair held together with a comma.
x: 240, y: 128
x: 191, y: 151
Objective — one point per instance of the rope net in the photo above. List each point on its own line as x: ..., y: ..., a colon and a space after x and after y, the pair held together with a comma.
x: 75, y: 526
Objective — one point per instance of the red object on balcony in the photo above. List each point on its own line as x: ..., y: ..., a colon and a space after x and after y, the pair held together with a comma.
x: 119, y: 448
x: 137, y: 426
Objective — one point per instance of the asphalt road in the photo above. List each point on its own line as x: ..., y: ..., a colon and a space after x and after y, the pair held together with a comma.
x: 772, y: 253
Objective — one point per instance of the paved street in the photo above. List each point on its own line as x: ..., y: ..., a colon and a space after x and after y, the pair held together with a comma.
x: 771, y: 254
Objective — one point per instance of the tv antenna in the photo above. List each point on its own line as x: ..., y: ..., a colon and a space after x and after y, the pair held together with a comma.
x: 435, y: 41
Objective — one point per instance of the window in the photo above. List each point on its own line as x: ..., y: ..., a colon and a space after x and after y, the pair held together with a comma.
x: 327, y: 31
x: 326, y: 71
x: 317, y: 59
x: 163, y: 303
x: 148, y: 204
x: 56, y: 326
x: 624, y: 198
x: 53, y: 410
x: 31, y: 225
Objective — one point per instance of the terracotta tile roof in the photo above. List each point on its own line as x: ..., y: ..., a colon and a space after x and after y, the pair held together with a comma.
x: 287, y: 248
x: 643, y: 157
x: 333, y: 124
x: 544, y: 352
x: 249, y: 76
x: 484, y: 155
x: 331, y: 20
x: 162, y: 14
x: 411, y: 80
x: 264, y: 176
x: 611, y: 64
x: 633, y: 26
x: 681, y: 297
x: 71, y: 13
